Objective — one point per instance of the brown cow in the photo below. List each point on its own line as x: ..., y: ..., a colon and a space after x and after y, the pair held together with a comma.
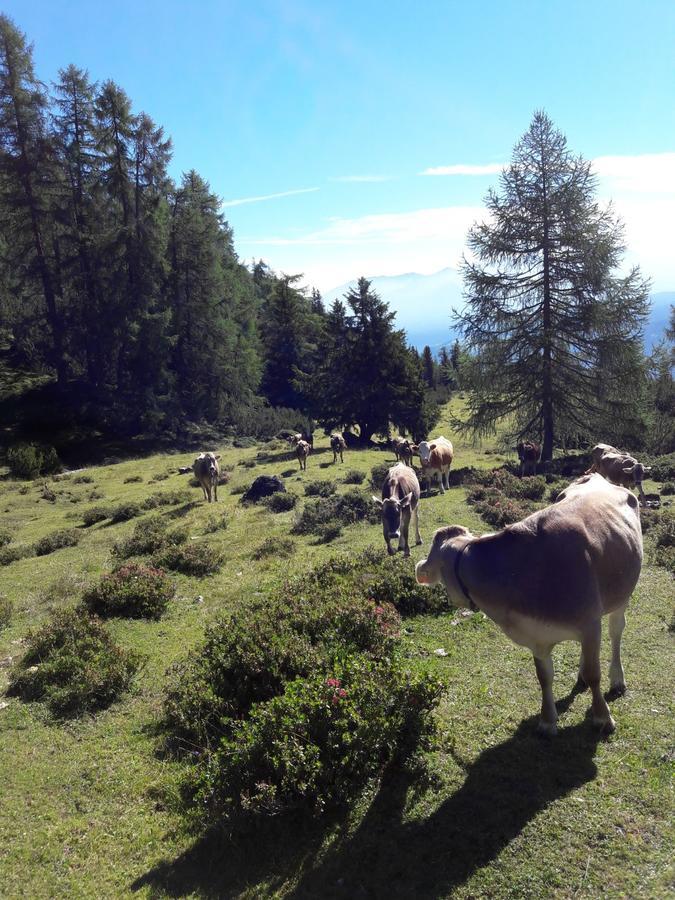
x: 400, y: 501
x: 403, y: 450
x: 619, y: 468
x: 528, y: 454
x: 302, y: 451
x: 338, y: 445
x: 206, y: 471
x: 436, y: 459
x: 551, y: 578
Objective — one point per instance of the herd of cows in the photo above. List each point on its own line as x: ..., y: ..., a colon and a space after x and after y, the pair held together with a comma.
x: 551, y: 577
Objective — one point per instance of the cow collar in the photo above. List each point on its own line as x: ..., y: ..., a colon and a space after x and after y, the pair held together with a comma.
x: 458, y: 559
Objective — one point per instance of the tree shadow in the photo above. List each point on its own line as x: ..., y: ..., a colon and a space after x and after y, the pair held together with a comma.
x: 504, y: 789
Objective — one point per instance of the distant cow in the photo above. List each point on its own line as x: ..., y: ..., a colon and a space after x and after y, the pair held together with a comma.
x: 528, y: 454
x: 551, y: 578
x: 207, y: 471
x: 302, y: 451
x: 338, y: 445
x: 619, y: 468
x: 436, y: 459
x: 294, y: 439
x: 400, y: 501
x: 402, y: 450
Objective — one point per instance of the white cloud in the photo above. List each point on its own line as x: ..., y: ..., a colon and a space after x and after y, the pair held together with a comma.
x: 361, y: 179
x: 243, y: 200
x: 647, y: 173
x: 489, y: 169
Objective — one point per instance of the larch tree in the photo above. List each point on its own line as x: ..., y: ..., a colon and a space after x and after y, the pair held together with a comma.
x: 554, y: 331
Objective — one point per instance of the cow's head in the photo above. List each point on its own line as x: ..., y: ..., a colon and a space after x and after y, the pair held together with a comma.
x: 391, y: 511
x: 424, y: 449
x: 439, y: 565
x: 635, y: 470
x: 213, y: 465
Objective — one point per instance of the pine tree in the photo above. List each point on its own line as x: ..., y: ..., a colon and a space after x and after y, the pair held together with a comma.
x: 544, y: 305
x: 428, y: 367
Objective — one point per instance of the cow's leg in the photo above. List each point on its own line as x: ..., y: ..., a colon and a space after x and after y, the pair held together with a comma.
x: 581, y: 684
x: 206, y: 494
x: 549, y: 714
x: 405, y: 528
x: 617, y: 623
x: 590, y: 647
x: 215, y: 490
x: 418, y: 536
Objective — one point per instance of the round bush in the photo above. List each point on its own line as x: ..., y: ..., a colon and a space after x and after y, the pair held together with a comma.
x: 95, y: 514
x: 353, y: 476
x: 6, y: 537
x: 149, y: 537
x: 136, y: 591
x: 320, y: 488
x: 67, y: 537
x: 25, y: 460
x: 281, y: 502
x: 73, y: 664
x: 198, y: 558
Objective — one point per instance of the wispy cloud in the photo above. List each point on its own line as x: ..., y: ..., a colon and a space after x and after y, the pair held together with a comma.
x: 647, y: 173
x: 489, y: 169
x: 362, y: 179
x: 242, y: 200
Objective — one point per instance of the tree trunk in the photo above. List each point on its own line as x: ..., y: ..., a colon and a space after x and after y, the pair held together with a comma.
x: 365, y: 433
x: 547, y: 373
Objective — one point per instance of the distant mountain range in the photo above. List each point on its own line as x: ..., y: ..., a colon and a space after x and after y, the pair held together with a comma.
x: 423, y: 305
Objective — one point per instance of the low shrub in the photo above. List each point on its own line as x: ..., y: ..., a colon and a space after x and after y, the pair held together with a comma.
x: 281, y: 502
x: 345, y: 509
x: 532, y: 487
x: 663, y: 467
x: 167, y: 498
x: 377, y: 475
x: 149, y: 537
x: 668, y: 489
x: 73, y: 664
x: 135, y: 591
x: 320, y: 488
x: 498, y: 510
x: 159, y: 476
x: 66, y: 537
x: 239, y: 489
x: 328, y: 531
x: 13, y: 552
x: 662, y: 539
x: 393, y: 581
x: 198, y: 558
x: 124, y: 511
x: 6, y: 610
x: 281, y: 547
x: 217, y: 523
x: 133, y: 479
x: 6, y: 537
x: 317, y: 744
x: 247, y: 463
x: 96, y: 495
x: 83, y: 479
x: 95, y: 514
x: 463, y: 475
x: 353, y: 476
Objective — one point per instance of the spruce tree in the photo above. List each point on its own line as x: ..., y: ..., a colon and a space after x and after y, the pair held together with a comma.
x: 547, y: 317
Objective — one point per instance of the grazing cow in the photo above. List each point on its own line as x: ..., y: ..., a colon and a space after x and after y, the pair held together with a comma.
x: 207, y: 471
x: 619, y: 468
x: 551, y: 578
x: 400, y: 501
x: 302, y: 451
x: 528, y: 454
x: 402, y: 450
x: 338, y: 445
x: 436, y: 459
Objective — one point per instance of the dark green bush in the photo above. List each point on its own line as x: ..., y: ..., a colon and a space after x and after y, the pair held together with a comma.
x: 281, y: 502
x: 663, y: 467
x: 25, y: 460
x: 662, y: 538
x: 66, y: 537
x: 159, y: 476
x: 95, y: 514
x: 83, y: 479
x: 328, y: 531
x: 135, y: 591
x: 167, y: 498
x: 377, y: 475
x: 531, y: 488
x: 320, y: 488
x: 50, y: 461
x: 6, y: 610
x: 73, y: 664
x: 281, y: 547
x: 6, y: 537
x: 668, y: 489
x: 247, y: 463
x: 317, y: 744
x: 198, y: 558
x: 353, y: 476
x: 345, y: 509
x: 149, y: 537
x: 393, y: 581
x: 13, y: 552
x: 133, y: 479
x: 239, y: 489
x: 217, y: 523
x: 124, y: 511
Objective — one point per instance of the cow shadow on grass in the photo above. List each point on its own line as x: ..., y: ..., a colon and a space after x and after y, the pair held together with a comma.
x: 503, y: 790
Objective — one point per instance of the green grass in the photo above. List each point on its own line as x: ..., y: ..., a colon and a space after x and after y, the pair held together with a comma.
x: 88, y: 807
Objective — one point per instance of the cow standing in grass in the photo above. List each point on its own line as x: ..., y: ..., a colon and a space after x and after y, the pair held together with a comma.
x: 551, y: 578
x: 338, y: 445
x: 619, y: 468
x: 302, y: 451
x: 399, y: 503
x: 207, y: 472
x: 528, y: 454
x: 436, y: 458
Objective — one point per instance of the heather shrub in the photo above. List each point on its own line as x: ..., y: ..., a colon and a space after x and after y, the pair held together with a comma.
x: 149, y: 537
x: 73, y: 664
x: 281, y: 547
x: 6, y: 537
x: 198, y: 558
x: 217, y: 523
x: 328, y: 531
x: 135, y: 591
x: 159, y: 476
x: 394, y: 582
x: 668, y: 489
x: 531, y: 488
x: 345, y: 509
x: 83, y: 479
x: 95, y: 514
x: 13, y: 552
x: 320, y: 488
x: 662, y: 539
x: 239, y: 489
x: 167, y: 498
x: 133, y: 479
x: 66, y: 537
x: 124, y: 511
x: 353, y: 476
x: 377, y: 475
x: 6, y: 610
x: 281, y: 502
x: 663, y: 467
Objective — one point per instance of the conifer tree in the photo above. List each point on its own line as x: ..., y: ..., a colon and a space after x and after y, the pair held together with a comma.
x: 545, y: 307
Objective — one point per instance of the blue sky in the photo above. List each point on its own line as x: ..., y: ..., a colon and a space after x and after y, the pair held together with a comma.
x: 340, y: 108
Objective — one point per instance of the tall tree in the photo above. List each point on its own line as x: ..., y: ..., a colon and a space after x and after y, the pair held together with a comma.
x: 428, y: 367
x: 544, y: 304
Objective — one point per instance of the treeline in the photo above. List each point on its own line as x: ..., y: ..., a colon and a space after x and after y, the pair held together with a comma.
x: 126, y: 285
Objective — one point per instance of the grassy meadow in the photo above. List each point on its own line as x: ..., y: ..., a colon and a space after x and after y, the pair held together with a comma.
x: 90, y: 805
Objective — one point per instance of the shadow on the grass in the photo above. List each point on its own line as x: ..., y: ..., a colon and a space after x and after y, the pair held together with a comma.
x: 504, y: 789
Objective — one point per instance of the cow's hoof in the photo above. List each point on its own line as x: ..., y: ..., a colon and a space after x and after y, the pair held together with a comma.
x: 616, y: 690
x: 580, y: 686
x: 606, y: 726
x: 417, y: 543
x: 547, y: 729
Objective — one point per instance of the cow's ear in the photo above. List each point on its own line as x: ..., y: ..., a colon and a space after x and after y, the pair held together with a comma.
x: 377, y: 500
x: 647, y: 468
x: 432, y: 446
x: 406, y: 500
x: 217, y: 456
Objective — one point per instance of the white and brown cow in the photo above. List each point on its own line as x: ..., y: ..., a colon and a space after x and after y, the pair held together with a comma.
x: 619, y: 468
x: 399, y: 503
x: 207, y: 471
x: 436, y: 458
x: 302, y: 451
x: 551, y: 578
x: 528, y: 454
x: 338, y: 445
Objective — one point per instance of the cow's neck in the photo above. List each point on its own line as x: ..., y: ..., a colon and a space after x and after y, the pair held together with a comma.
x: 459, y: 579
